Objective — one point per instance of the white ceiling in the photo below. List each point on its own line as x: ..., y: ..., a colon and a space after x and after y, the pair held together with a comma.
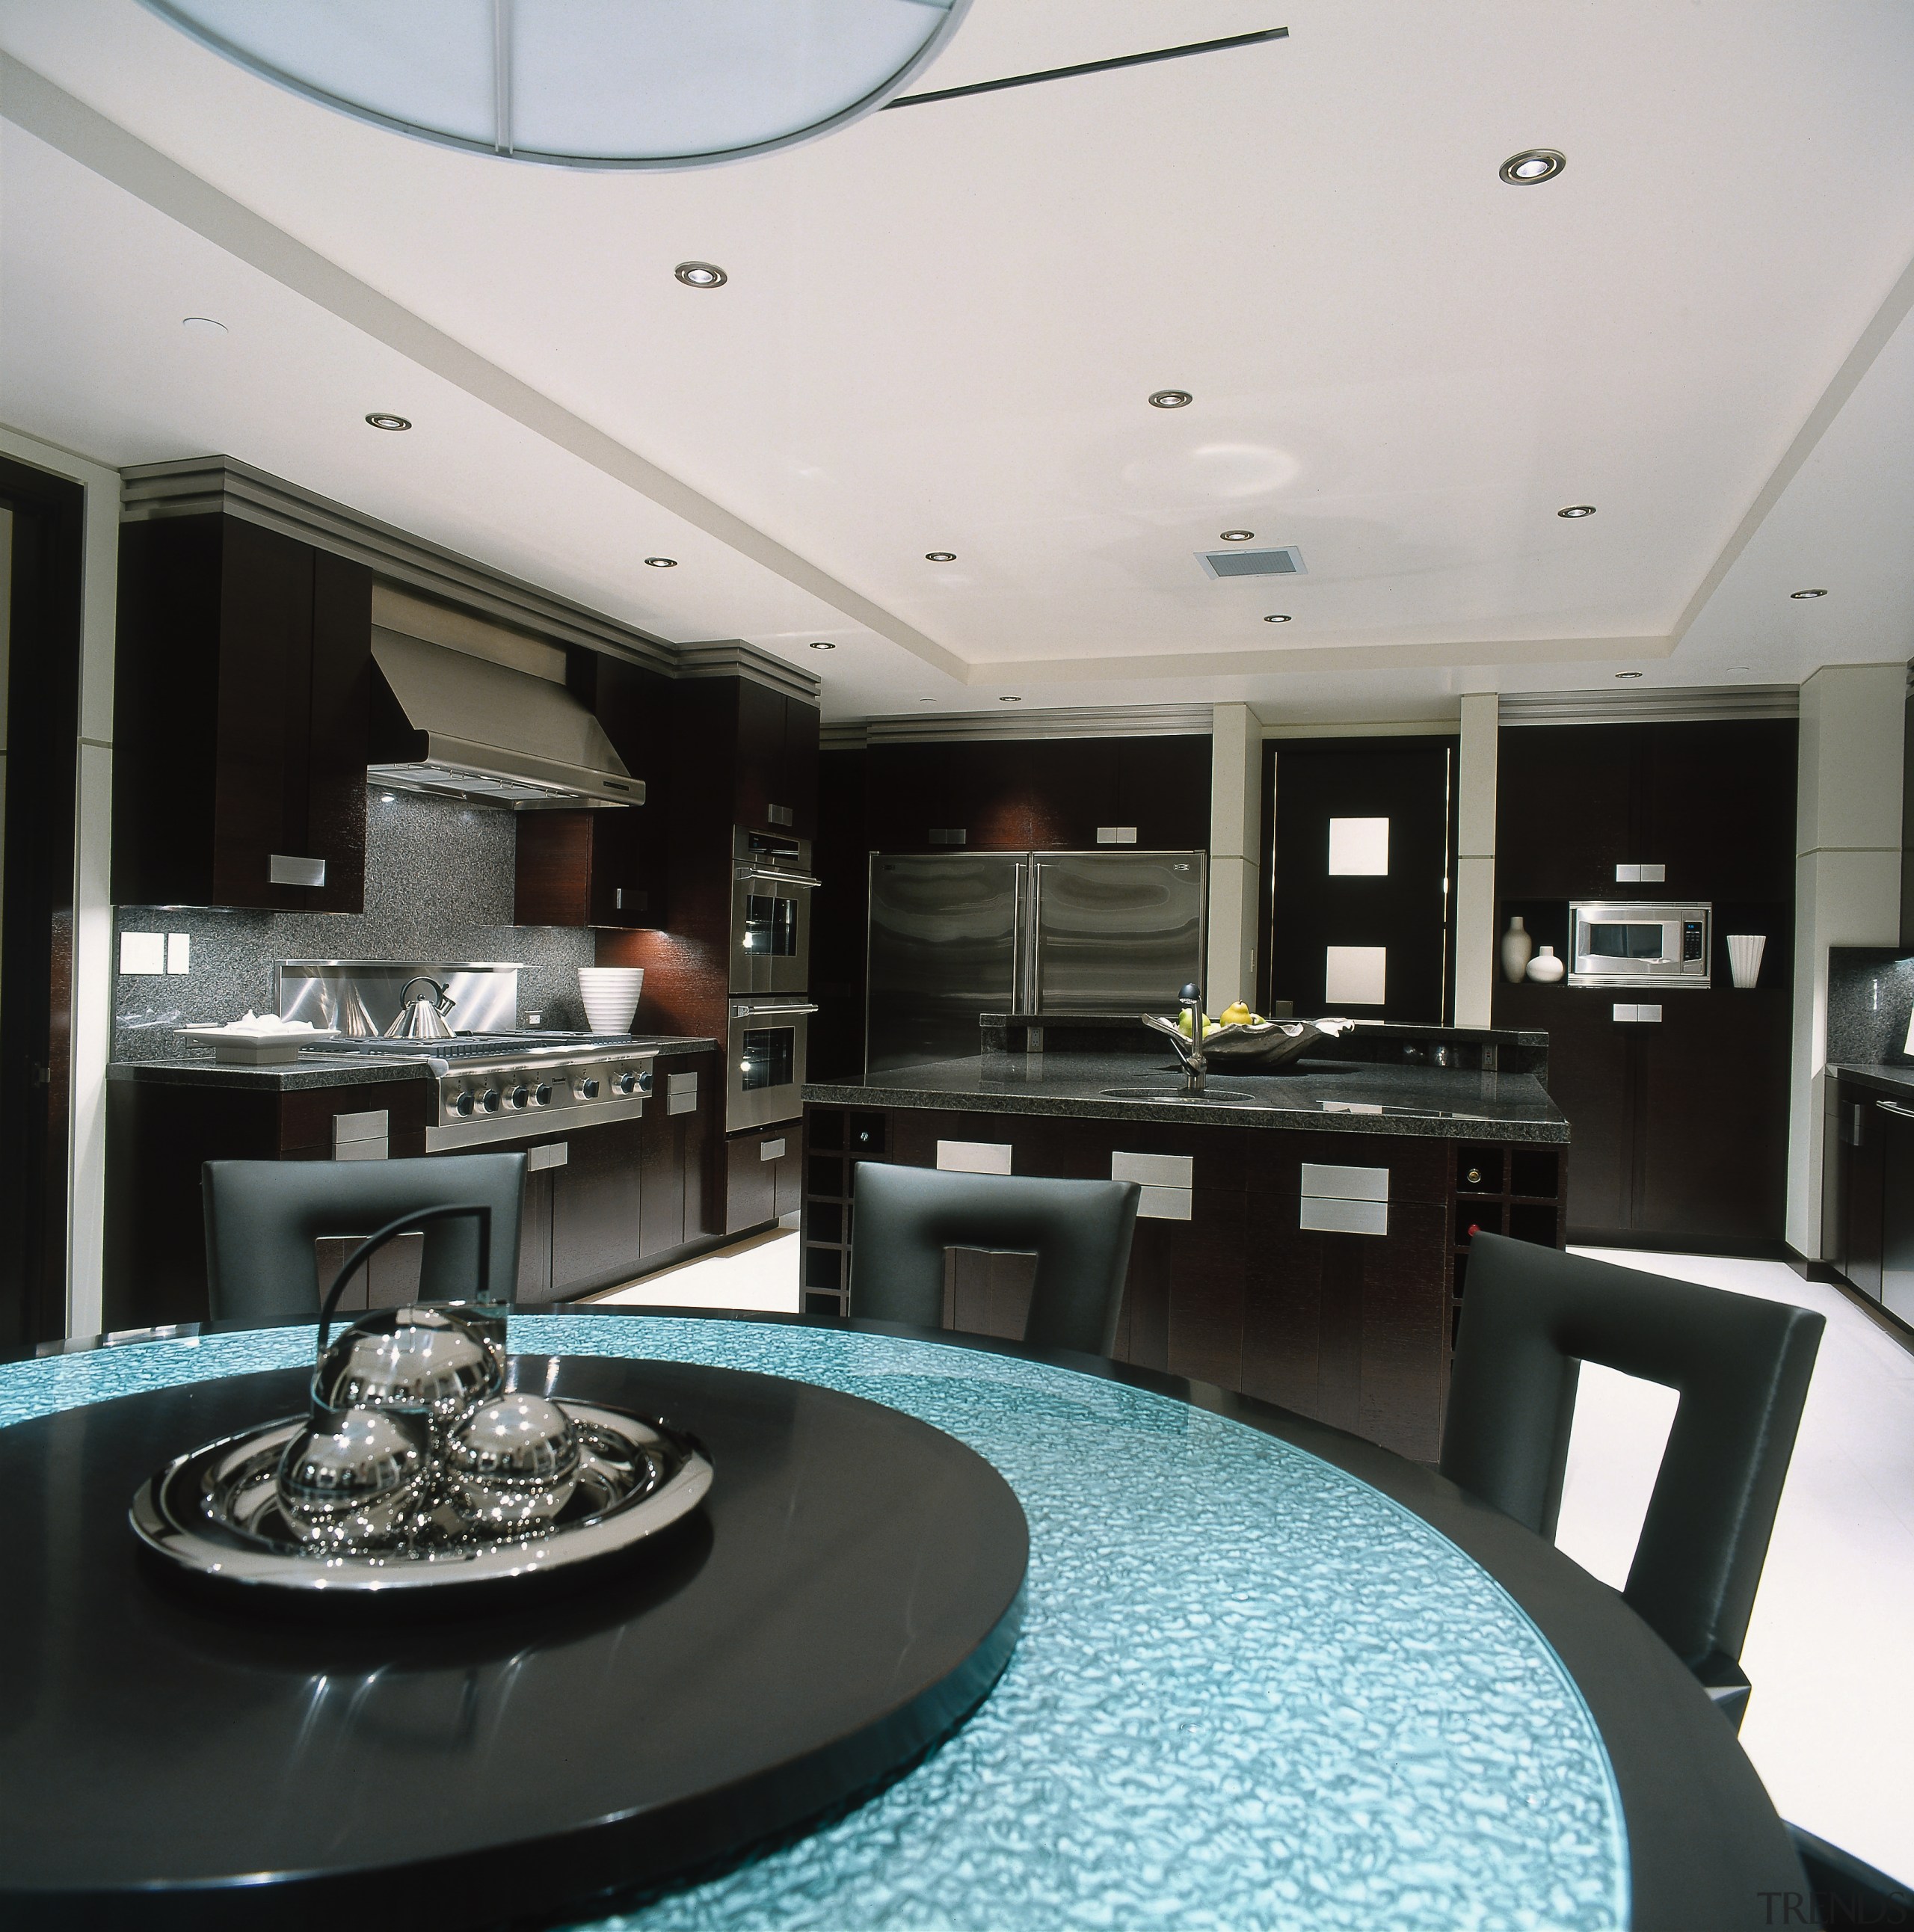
x: 942, y: 323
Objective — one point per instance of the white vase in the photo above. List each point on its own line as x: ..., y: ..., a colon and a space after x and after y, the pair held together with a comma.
x: 1744, y: 952
x: 1516, y: 947
x: 611, y: 996
x: 1545, y: 969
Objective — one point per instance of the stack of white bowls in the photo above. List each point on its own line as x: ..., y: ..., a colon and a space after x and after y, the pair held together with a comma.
x: 611, y: 996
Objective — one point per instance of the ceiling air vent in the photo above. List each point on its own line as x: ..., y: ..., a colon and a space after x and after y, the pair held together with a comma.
x: 1287, y: 561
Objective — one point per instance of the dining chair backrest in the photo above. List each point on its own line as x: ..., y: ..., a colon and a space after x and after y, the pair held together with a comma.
x: 1531, y: 1315
x: 903, y: 1219
x: 264, y: 1216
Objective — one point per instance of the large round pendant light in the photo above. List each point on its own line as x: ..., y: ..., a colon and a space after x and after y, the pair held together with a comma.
x: 585, y: 83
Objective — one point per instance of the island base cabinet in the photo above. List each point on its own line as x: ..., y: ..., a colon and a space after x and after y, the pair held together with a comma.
x: 1236, y: 1281
x: 1348, y: 1328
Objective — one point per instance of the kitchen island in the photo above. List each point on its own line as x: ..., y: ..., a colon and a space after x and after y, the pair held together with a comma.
x: 1303, y: 1236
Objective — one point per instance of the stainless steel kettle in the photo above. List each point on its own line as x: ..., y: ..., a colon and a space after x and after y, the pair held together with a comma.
x: 419, y: 1018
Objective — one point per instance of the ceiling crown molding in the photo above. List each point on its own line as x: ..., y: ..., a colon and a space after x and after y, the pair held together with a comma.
x: 1690, y: 704
x: 204, y: 485
x: 1104, y: 720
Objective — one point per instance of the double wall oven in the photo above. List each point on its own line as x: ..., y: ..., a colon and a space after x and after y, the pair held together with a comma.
x: 771, y: 883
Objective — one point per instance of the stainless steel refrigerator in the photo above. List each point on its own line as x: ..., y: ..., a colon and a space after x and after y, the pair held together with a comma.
x: 955, y: 935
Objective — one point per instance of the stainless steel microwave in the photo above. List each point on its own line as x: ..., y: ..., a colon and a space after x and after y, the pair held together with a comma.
x: 1640, y: 943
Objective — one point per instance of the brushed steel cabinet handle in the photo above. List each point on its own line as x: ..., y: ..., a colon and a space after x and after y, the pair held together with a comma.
x: 1895, y: 1107
x: 284, y: 868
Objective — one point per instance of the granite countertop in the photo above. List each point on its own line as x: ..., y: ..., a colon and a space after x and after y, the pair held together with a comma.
x: 196, y: 1067
x: 1410, y: 1029
x: 1898, y: 1081
x: 1328, y: 1096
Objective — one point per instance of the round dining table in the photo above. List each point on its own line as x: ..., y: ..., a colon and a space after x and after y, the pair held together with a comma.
x: 1263, y: 1675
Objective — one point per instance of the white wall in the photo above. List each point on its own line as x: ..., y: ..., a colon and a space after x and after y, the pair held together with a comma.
x: 1236, y: 820
x: 91, y: 1018
x: 1847, y: 885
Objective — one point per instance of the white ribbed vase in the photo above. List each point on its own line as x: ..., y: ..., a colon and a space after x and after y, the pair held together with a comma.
x: 611, y: 996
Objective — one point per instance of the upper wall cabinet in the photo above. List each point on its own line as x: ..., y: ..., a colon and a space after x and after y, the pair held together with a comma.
x: 240, y: 692
x: 1711, y: 802
x: 1066, y: 794
x: 777, y: 761
x: 607, y: 867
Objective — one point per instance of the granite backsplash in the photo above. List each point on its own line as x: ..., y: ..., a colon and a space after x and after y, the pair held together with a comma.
x: 1870, y: 997
x: 438, y: 887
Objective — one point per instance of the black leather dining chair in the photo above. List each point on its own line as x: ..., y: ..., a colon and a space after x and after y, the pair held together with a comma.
x: 1531, y: 1317
x: 263, y: 1217
x: 903, y: 1218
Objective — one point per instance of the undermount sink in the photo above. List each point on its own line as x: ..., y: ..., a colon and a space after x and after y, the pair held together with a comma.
x: 1210, y: 1097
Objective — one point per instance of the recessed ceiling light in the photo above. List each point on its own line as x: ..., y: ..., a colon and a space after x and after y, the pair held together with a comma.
x: 1577, y: 510
x: 1531, y: 166
x: 1237, y: 536
x: 1009, y: 701
x: 201, y: 325
x: 927, y: 700
x: 380, y: 419
x: 1738, y: 666
x: 939, y: 557
x: 1171, y: 399
x: 822, y: 644
x: 1277, y: 617
x: 700, y: 275
x: 1628, y: 677
x: 1799, y: 594
x: 662, y: 562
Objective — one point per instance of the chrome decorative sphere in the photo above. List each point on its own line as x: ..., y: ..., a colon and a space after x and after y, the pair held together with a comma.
x: 512, y: 1462
x: 434, y: 1363
x: 354, y: 1478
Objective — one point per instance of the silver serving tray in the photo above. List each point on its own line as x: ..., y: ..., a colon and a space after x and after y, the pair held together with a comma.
x: 214, y: 1512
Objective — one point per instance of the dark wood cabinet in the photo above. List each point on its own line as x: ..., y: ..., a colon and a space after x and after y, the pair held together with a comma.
x: 775, y: 762
x: 1014, y: 795
x: 764, y: 1171
x: 1870, y: 1156
x: 676, y: 1194
x: 1354, y: 1329
x: 242, y: 682
x: 1679, y: 1126
x: 596, y: 1216
x: 597, y: 868
x: 607, y: 867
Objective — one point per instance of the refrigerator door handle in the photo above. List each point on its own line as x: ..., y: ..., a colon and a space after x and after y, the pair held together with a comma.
x: 1019, y: 937
x: 1033, y: 967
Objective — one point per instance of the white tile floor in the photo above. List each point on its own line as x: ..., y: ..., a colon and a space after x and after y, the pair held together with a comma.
x: 1831, y: 1650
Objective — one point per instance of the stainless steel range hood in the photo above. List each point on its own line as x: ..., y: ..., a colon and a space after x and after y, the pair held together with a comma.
x: 453, y: 725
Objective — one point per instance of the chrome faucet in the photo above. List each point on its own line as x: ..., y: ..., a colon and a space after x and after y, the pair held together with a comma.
x: 1195, y: 1062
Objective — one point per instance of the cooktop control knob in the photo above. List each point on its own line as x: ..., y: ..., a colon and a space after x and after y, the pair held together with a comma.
x: 542, y: 1093
x: 589, y: 1088
x: 463, y: 1105
x: 627, y: 1083
x: 645, y: 1081
x: 489, y: 1101
x: 519, y: 1095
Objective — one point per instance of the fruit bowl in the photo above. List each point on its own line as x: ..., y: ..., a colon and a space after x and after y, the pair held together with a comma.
x: 1270, y: 1044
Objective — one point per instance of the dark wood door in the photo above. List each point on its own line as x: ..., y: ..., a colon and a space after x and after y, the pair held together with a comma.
x: 1856, y: 1145
x: 797, y: 786
x: 1711, y: 1077
x: 1566, y: 810
x: 1163, y: 789
x: 596, y: 1208
x: 1717, y: 809
x: 759, y: 771
x: 1894, y: 1131
x: 1387, y: 925
x: 662, y: 1186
